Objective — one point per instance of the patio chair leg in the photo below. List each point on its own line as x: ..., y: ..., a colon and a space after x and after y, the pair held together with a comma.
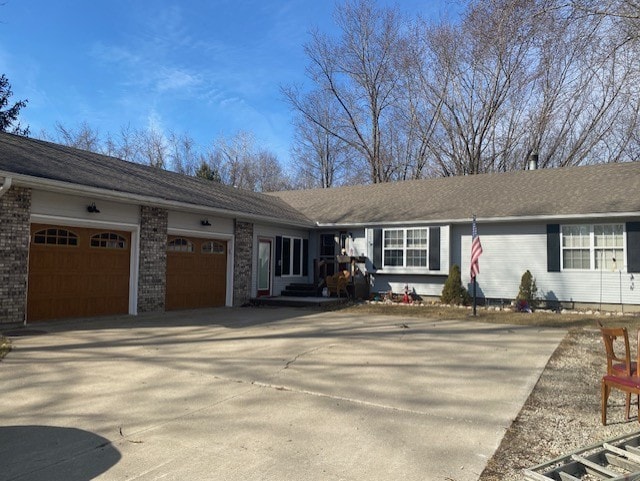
x: 605, y: 398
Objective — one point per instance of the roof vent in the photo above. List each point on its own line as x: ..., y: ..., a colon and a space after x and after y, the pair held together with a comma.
x: 533, y: 162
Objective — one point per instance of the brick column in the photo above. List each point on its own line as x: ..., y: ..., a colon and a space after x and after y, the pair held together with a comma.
x: 152, y: 278
x: 15, y: 209
x: 242, y: 262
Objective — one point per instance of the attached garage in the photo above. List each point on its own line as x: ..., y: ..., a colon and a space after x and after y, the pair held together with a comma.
x: 196, y: 273
x: 77, y: 272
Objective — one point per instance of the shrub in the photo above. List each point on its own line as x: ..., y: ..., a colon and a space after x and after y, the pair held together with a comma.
x: 528, y: 292
x: 453, y: 291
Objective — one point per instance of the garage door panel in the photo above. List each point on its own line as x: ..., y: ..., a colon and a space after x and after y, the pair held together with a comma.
x: 197, y: 278
x: 76, y: 280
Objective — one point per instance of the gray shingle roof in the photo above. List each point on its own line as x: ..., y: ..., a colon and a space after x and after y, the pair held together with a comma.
x: 574, y: 191
x: 53, y: 162
x: 587, y: 190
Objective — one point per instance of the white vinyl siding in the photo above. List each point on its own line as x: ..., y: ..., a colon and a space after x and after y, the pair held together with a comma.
x: 511, y: 249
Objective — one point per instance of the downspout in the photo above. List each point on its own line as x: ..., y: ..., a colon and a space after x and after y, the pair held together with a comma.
x: 5, y: 186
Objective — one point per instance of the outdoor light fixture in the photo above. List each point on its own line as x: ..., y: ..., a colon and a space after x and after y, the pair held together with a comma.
x: 205, y: 222
x: 92, y: 208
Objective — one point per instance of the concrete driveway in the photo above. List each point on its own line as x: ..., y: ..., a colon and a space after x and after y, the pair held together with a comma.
x: 263, y: 394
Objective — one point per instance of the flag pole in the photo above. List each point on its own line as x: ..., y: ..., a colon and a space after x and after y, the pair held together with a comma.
x: 476, y: 250
x: 473, y: 275
x: 474, y: 296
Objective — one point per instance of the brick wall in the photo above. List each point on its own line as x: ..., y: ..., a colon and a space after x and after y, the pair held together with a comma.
x: 15, y: 209
x: 152, y: 278
x: 242, y: 262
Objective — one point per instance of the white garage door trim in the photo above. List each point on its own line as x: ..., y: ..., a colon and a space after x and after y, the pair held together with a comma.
x: 214, y: 236
x: 134, y: 260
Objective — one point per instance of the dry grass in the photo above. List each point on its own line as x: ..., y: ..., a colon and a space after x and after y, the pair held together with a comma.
x: 5, y: 346
x: 542, y: 319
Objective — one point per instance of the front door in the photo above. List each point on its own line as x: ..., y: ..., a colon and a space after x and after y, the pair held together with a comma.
x: 264, y: 267
x: 328, y: 251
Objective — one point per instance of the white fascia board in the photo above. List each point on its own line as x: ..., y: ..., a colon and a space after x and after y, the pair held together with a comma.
x: 496, y: 220
x: 199, y: 234
x: 6, y: 185
x: 75, y: 189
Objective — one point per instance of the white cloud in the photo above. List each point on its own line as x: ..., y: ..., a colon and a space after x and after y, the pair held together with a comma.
x: 176, y: 79
x: 154, y: 121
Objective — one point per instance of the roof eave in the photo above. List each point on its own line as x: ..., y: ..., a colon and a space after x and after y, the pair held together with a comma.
x: 493, y: 220
x: 106, y: 194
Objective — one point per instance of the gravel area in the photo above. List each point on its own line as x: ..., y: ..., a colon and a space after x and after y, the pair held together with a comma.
x: 562, y: 413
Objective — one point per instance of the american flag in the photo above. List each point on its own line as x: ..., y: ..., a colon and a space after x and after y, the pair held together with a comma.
x: 476, y: 249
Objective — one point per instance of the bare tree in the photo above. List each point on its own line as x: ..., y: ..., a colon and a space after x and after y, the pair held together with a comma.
x: 183, y: 154
x: 479, y: 70
x: 84, y: 137
x: 358, y: 72
x: 626, y: 13
x: 124, y: 146
x: 236, y: 161
x: 516, y: 77
x: 585, y: 98
x: 152, y: 148
x: 319, y: 156
x: 271, y: 176
x: 232, y: 158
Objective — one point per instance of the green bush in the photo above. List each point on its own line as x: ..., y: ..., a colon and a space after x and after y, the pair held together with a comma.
x: 453, y: 291
x: 528, y: 292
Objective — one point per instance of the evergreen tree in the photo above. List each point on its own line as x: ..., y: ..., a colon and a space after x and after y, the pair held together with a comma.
x: 453, y: 291
x: 206, y: 172
x: 9, y: 115
x: 528, y: 292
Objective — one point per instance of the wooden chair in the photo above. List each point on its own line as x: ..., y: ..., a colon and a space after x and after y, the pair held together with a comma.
x: 337, y: 284
x: 621, y: 370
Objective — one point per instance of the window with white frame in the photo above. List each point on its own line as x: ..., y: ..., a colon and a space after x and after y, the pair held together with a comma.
x: 292, y: 258
x: 593, y: 247
x: 405, y: 247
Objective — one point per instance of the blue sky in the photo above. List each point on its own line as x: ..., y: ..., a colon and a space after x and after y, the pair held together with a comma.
x: 205, y: 68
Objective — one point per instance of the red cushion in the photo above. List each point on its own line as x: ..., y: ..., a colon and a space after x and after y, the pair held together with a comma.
x: 627, y: 381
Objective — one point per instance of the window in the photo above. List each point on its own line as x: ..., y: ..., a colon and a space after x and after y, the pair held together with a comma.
x: 286, y: 256
x: 61, y: 237
x: 417, y: 245
x: 327, y: 245
x: 293, y: 256
x: 393, y: 247
x: 213, y: 247
x: 406, y: 247
x: 592, y: 247
x: 608, y: 244
x: 180, y: 244
x: 108, y: 240
x: 296, y: 264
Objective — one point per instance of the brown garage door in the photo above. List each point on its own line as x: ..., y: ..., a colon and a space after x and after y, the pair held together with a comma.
x: 196, y: 273
x: 77, y: 272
